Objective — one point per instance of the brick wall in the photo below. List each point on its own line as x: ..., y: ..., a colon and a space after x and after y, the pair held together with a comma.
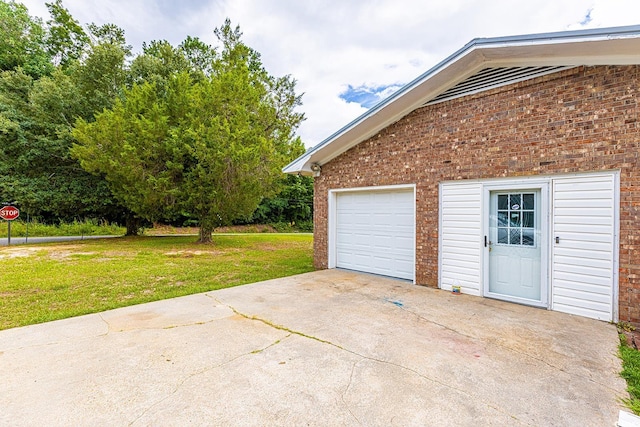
x: 579, y: 120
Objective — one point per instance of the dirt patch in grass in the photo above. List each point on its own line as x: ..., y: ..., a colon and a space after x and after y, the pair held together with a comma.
x: 63, y: 247
x: 57, y: 252
x: 24, y: 251
x: 189, y: 253
x: 17, y: 252
x: 160, y: 230
x: 258, y: 228
x: 62, y: 255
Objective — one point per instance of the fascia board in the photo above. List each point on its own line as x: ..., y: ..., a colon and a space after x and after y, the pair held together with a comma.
x: 624, y: 51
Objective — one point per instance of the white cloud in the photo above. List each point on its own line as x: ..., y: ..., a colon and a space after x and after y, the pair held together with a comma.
x: 331, y: 44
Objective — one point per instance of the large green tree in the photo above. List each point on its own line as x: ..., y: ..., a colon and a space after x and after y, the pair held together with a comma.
x: 207, y: 144
x: 22, y: 41
x: 38, y: 111
x: 293, y: 204
x: 36, y: 169
x: 66, y: 40
x: 160, y: 60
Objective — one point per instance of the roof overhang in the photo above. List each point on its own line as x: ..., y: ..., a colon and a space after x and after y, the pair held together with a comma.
x: 607, y: 46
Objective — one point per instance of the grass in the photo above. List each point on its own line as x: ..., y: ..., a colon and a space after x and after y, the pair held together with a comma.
x: 92, y: 227
x: 54, y: 281
x: 75, y: 228
x: 631, y: 372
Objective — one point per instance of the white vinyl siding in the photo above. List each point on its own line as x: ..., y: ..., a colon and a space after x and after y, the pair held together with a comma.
x: 460, y: 236
x: 583, y: 259
x: 579, y: 272
x: 375, y: 232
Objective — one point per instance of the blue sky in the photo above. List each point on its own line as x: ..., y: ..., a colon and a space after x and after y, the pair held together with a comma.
x: 368, y: 96
x: 347, y: 54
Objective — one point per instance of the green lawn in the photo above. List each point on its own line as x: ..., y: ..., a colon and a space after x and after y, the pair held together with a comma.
x: 54, y: 281
x: 631, y: 372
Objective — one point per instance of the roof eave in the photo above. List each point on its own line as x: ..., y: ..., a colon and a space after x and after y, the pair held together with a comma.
x: 620, y: 46
x: 301, y: 165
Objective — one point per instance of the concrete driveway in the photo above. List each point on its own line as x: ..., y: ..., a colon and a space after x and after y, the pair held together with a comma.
x: 324, y: 348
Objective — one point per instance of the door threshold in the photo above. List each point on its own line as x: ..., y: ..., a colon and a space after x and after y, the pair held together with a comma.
x: 516, y: 300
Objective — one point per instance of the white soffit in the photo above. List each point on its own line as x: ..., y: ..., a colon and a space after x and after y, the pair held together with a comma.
x: 540, y: 53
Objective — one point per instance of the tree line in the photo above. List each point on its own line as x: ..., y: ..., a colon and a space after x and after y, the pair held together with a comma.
x: 190, y: 133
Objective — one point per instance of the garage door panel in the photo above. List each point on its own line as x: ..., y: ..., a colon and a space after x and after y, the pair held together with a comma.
x: 402, y: 258
x: 405, y: 221
x: 402, y: 244
x: 375, y: 232
x: 360, y: 260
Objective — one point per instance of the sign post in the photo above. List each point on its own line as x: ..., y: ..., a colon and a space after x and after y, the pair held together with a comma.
x: 9, y: 213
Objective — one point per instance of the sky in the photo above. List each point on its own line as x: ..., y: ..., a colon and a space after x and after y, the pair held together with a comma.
x: 346, y: 55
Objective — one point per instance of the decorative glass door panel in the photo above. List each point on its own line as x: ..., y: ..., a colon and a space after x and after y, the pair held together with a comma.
x: 514, y: 244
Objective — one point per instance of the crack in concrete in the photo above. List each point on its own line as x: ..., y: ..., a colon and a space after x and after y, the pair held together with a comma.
x: 106, y: 324
x: 373, y: 359
x: 344, y: 402
x: 153, y: 328
x: 180, y: 383
x: 489, y: 341
x: 62, y: 340
x: 284, y: 328
x: 276, y: 342
x: 185, y: 325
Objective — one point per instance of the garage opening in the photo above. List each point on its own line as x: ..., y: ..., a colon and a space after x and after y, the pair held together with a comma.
x: 374, y: 231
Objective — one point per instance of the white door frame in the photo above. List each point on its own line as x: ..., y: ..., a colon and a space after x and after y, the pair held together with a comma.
x: 520, y: 184
x: 332, y: 218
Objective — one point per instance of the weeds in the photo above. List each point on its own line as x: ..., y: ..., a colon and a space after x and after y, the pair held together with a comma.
x: 631, y: 373
x: 91, y: 227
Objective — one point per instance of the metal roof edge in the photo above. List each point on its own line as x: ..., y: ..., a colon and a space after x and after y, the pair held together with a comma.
x: 610, y: 32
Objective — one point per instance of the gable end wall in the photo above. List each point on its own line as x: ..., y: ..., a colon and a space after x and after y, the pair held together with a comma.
x: 579, y: 120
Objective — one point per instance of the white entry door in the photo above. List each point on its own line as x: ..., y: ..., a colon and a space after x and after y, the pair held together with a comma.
x: 516, y: 246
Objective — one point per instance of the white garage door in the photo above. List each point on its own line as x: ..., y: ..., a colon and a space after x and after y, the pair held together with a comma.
x: 375, y: 232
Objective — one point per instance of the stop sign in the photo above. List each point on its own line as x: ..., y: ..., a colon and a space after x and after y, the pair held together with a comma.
x: 9, y: 213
